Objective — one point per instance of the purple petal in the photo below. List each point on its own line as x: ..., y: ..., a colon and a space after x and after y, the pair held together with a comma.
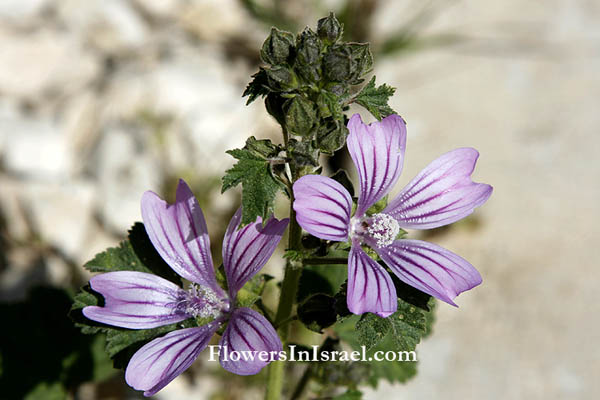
x: 322, y: 207
x: 247, y: 250
x: 370, y: 288
x: 178, y: 232
x: 159, y: 362
x: 136, y: 300
x: 440, y: 194
x: 378, y: 152
x: 430, y: 268
x: 252, y: 337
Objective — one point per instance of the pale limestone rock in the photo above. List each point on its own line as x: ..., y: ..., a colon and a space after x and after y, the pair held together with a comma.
x: 43, y: 62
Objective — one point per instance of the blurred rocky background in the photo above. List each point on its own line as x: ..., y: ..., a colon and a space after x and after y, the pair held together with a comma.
x: 101, y: 100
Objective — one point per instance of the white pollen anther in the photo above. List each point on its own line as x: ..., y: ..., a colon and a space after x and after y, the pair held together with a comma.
x: 202, y: 302
x: 383, y: 229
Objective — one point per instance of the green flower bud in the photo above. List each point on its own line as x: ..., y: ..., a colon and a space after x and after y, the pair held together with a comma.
x: 303, y: 153
x: 278, y: 47
x: 331, y: 136
x: 300, y: 116
x: 329, y: 29
x: 281, y: 78
x: 308, y: 55
x: 337, y: 63
x: 348, y: 62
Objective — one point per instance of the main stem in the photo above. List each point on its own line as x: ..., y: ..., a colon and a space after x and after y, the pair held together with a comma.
x: 287, y: 297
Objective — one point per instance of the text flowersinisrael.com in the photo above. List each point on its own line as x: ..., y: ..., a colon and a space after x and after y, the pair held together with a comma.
x: 313, y: 355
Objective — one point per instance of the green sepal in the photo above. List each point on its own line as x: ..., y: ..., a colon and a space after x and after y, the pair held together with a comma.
x: 300, y: 116
x: 379, y: 206
x: 251, y: 291
x: 303, y: 153
x: 331, y: 135
x: 329, y: 105
x: 281, y: 78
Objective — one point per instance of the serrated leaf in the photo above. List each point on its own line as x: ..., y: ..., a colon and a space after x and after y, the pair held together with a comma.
x: 400, y: 332
x: 371, y: 330
x: 375, y: 99
x: 259, y: 86
x: 120, y: 258
x: 137, y: 253
x: 259, y: 186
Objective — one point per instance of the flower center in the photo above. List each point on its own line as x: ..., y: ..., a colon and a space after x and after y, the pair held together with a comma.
x: 202, y: 302
x: 380, y: 229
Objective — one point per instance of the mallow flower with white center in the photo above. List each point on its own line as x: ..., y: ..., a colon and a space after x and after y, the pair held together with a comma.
x: 140, y: 300
x: 440, y: 194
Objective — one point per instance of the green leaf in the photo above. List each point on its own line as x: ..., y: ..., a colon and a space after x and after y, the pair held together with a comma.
x: 259, y: 186
x: 251, y: 291
x: 258, y: 87
x: 400, y: 332
x: 318, y: 312
x: 119, y: 339
x: 375, y: 99
x: 351, y: 394
x: 137, y: 253
x: 47, y: 391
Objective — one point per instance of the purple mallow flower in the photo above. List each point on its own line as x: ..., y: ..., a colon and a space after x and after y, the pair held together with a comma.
x: 440, y: 194
x: 139, y: 300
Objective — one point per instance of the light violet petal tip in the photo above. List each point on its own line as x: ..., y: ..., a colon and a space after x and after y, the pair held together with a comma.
x: 136, y: 300
x: 430, y: 268
x: 441, y: 193
x: 247, y: 250
x: 377, y: 151
x: 250, y: 332
x: 370, y: 288
x: 322, y: 207
x: 179, y: 234
x: 163, y: 359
